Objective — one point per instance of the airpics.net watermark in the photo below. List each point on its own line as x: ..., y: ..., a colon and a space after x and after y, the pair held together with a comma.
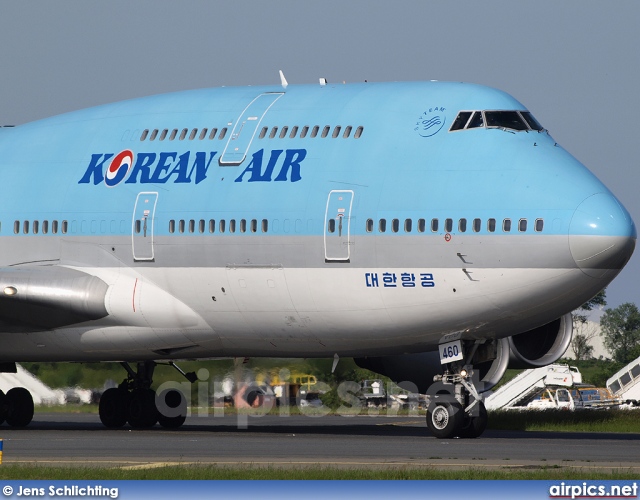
x: 218, y: 398
x: 586, y: 490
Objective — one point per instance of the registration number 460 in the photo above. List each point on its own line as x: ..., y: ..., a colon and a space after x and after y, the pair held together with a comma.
x: 451, y: 351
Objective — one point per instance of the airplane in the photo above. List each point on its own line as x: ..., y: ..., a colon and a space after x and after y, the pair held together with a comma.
x: 433, y: 231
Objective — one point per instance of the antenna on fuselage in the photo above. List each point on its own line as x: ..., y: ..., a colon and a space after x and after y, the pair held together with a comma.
x: 283, y: 80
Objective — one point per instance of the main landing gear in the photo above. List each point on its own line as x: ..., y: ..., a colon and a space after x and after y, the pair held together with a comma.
x: 16, y: 407
x: 134, y: 401
x: 456, y: 408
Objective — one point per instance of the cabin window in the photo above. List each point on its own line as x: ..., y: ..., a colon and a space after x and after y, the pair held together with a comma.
x: 223, y: 132
x: 294, y: 132
x: 212, y: 134
x: 212, y: 225
x: 163, y: 135
x: 25, y: 227
x: 16, y: 227
x: 448, y: 225
x: 369, y: 225
x: 539, y: 225
x: 332, y: 226
x: 192, y: 226
x: 181, y: 226
x: 382, y: 225
x: 434, y: 225
x: 45, y: 226
x: 138, y: 226
x: 265, y: 225
x: 232, y: 226
x: 174, y: 132
x: 263, y: 132
x: 303, y: 132
x: 203, y: 134
x: 506, y: 225
x: 422, y: 225
x: 273, y: 133
x: 491, y: 225
x: 54, y: 227
x: 172, y: 226
x: 36, y: 227
x: 254, y: 225
x: 325, y: 131
x: 283, y: 132
x: 144, y: 135
x: 194, y: 132
x: 154, y: 134
x: 358, y: 133
x: 243, y: 225
x: 65, y: 227
x: 477, y: 225
x: 347, y: 132
x: 462, y: 225
x: 201, y: 225
x: 395, y: 225
x: 222, y: 225
x: 336, y: 131
x: 183, y: 134
x: 407, y: 225
x: 522, y: 225
x: 461, y: 120
x: 314, y: 131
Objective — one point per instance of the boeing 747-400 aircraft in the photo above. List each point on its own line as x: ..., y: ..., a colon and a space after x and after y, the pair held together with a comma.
x: 434, y: 231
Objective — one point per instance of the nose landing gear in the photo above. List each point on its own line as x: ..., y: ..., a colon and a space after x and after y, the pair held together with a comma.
x: 456, y: 408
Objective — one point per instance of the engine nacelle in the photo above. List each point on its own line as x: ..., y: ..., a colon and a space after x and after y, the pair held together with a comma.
x: 538, y: 347
x: 541, y: 346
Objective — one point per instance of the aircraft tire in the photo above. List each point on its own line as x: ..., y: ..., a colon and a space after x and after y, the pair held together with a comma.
x: 445, y: 419
x: 475, y: 426
x: 113, y: 407
x: 3, y: 407
x: 19, y: 407
x: 142, y: 409
x: 172, y: 408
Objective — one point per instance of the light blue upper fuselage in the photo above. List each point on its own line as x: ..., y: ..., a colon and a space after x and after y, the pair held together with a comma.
x: 470, y: 173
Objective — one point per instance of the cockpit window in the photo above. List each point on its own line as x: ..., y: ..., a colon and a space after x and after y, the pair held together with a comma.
x: 476, y: 120
x: 531, y: 121
x: 505, y: 119
x: 461, y: 120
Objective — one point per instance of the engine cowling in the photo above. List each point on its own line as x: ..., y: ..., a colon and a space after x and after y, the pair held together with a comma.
x: 541, y: 346
x: 531, y: 349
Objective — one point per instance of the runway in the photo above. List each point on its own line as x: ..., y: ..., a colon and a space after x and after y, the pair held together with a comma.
x: 362, y: 441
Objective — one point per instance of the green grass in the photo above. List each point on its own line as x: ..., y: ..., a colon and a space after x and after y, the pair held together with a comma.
x: 567, y: 421
x: 182, y: 472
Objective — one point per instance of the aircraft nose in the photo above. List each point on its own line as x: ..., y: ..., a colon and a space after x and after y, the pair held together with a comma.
x: 602, y: 236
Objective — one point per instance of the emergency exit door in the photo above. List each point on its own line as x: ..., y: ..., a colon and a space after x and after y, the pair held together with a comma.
x: 142, y: 226
x: 337, y: 226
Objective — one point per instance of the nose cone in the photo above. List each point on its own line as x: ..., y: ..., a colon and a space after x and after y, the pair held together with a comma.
x: 602, y: 236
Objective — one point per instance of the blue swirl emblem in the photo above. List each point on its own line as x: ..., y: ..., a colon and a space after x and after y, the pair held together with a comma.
x: 431, y: 122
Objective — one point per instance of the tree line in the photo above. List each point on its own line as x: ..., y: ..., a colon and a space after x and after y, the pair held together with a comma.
x: 619, y: 327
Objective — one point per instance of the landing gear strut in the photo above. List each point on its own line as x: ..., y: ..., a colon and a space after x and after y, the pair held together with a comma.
x: 134, y: 401
x: 456, y: 408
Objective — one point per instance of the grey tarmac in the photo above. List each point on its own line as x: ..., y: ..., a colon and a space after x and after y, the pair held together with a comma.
x: 302, y: 441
